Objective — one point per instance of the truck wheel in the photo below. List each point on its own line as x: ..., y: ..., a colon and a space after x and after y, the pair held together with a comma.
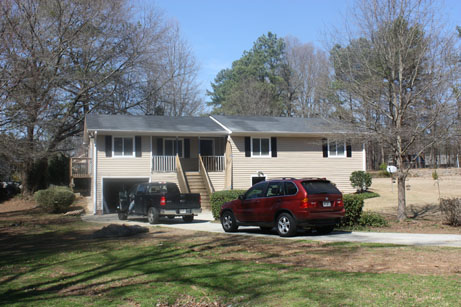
x: 152, y: 215
x: 286, y: 225
x: 122, y: 216
x: 188, y: 218
x: 228, y: 222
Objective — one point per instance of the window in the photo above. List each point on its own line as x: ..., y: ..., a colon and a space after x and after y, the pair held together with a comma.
x: 260, y: 147
x: 169, y: 147
x: 290, y: 188
x: 123, y: 147
x: 320, y: 187
x: 275, y: 189
x: 256, y: 191
x: 255, y: 179
x: 336, y: 149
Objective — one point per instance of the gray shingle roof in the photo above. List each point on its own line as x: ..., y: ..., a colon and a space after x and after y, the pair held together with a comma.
x: 158, y: 124
x: 188, y: 125
x: 280, y: 125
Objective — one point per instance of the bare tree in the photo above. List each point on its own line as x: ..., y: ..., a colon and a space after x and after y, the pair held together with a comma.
x: 61, y: 59
x: 309, y: 79
x: 396, y: 72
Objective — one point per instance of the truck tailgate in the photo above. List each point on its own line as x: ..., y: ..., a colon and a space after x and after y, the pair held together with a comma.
x: 186, y: 201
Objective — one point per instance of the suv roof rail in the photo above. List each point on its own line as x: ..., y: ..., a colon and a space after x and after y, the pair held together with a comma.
x: 282, y: 178
x: 315, y: 178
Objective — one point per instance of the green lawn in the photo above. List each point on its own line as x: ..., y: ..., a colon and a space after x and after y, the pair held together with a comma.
x: 60, y: 264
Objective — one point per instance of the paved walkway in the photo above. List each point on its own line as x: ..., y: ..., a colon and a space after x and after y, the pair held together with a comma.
x: 204, y: 222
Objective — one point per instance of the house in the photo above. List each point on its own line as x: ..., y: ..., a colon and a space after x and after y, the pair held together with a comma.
x: 207, y: 154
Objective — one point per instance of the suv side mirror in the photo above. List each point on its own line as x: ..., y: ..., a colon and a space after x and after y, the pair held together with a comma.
x: 241, y: 197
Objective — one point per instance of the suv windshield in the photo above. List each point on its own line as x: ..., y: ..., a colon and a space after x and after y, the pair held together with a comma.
x: 320, y: 187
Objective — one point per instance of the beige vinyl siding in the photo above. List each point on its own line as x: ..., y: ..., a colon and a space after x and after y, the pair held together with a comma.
x: 217, y: 180
x: 169, y: 177
x: 91, y: 155
x: 296, y: 157
x: 121, y: 166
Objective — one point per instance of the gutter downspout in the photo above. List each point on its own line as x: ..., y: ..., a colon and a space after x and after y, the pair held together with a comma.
x: 95, y: 173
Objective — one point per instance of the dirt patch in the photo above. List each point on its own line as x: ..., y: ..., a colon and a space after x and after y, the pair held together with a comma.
x: 423, y: 208
x: 17, y: 204
x: 336, y: 256
x: 115, y: 230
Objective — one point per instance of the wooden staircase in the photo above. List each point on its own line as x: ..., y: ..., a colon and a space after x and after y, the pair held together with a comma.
x: 196, y: 185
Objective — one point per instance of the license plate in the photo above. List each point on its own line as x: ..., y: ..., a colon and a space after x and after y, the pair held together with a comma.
x: 327, y: 203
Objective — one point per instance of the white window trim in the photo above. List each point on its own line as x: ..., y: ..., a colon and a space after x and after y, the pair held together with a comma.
x: 270, y: 147
x: 208, y: 139
x: 336, y: 156
x: 174, y: 139
x: 133, y: 155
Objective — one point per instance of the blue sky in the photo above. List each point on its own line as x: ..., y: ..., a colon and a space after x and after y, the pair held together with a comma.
x: 219, y: 31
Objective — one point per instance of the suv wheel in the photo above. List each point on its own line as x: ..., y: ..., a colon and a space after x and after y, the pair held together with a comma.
x: 228, y: 222
x: 286, y: 225
x: 152, y: 215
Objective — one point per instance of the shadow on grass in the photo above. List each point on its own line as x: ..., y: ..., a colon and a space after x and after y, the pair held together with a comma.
x: 91, y: 267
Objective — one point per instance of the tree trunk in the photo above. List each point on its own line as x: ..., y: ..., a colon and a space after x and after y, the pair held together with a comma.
x: 401, y: 198
x: 26, y: 179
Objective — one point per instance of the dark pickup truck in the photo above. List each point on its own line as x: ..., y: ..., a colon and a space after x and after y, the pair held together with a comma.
x: 157, y: 199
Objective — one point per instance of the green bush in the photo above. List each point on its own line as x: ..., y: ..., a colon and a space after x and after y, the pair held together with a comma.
x: 219, y: 198
x: 54, y: 199
x: 451, y: 210
x: 383, y: 168
x: 372, y: 219
x: 360, y: 180
x: 353, y: 204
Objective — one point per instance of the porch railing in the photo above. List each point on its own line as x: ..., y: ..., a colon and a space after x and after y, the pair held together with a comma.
x: 81, y: 167
x: 214, y: 163
x: 164, y: 164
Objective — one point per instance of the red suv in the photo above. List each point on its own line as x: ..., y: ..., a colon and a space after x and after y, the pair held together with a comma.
x: 286, y: 203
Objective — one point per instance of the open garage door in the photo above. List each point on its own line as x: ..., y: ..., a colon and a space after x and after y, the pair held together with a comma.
x: 112, y: 186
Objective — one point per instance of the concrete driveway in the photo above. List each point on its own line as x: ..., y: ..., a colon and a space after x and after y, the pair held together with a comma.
x: 204, y: 222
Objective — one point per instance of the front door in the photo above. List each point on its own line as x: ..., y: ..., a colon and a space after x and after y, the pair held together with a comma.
x: 206, y: 148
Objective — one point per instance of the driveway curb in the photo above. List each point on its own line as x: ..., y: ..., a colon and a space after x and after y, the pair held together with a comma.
x: 203, y: 223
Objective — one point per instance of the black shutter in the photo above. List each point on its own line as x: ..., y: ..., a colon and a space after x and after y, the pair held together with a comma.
x: 274, y: 146
x: 187, y: 148
x: 325, y: 148
x: 108, y: 146
x: 247, y: 146
x: 138, y: 146
x: 349, y: 149
x: 159, y: 146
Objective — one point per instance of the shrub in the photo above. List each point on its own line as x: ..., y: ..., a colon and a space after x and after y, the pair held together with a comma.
x: 219, y: 198
x: 353, y: 204
x: 451, y: 210
x: 54, y: 199
x: 372, y: 219
x: 360, y: 180
x: 383, y: 168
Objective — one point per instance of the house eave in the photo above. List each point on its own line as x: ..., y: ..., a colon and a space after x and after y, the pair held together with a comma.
x: 162, y: 133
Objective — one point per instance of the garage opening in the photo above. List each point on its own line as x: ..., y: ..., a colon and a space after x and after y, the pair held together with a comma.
x: 112, y: 186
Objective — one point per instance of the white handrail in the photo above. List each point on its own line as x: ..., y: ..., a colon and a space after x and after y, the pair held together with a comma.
x: 214, y: 163
x: 164, y: 164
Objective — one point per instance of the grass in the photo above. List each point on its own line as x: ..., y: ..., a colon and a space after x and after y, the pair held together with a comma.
x: 59, y: 264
